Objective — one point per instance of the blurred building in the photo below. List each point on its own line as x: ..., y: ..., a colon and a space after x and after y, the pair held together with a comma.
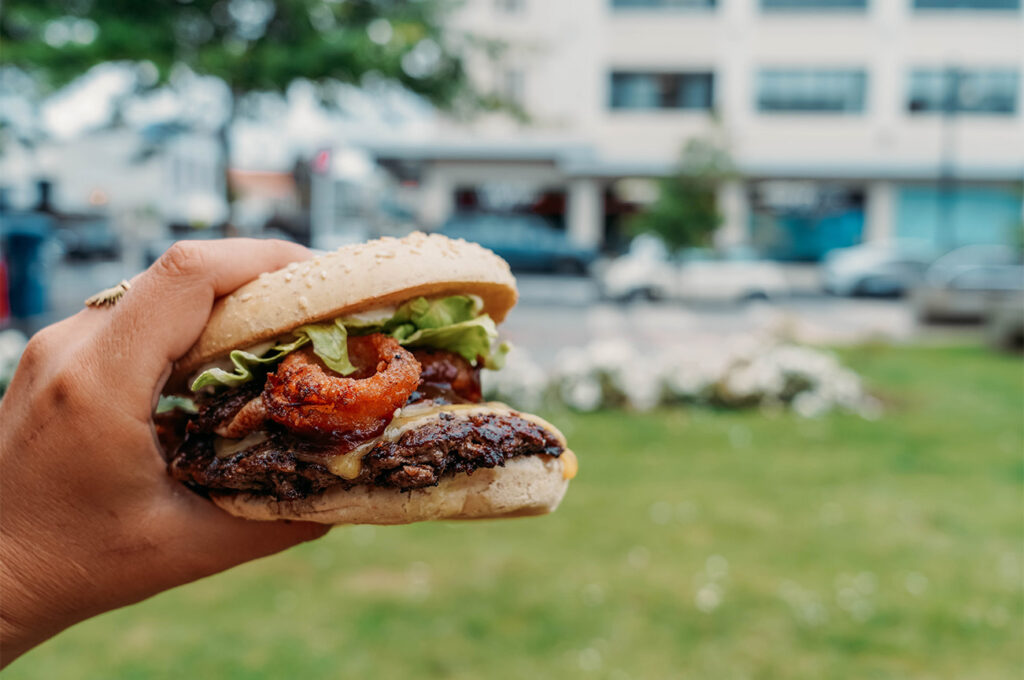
x: 849, y: 120
x: 160, y: 173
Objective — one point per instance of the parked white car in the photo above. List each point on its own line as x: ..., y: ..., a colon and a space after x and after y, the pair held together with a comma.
x: 883, y: 269
x: 733, y: 276
x: 647, y: 272
x: 643, y: 272
x: 968, y: 282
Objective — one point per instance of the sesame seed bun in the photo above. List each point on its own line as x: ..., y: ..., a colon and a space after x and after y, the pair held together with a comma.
x: 355, y: 278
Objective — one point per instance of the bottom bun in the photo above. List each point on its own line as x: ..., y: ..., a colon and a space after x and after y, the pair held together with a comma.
x: 527, y: 485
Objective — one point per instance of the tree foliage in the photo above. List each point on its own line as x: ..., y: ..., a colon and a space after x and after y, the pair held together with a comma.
x: 252, y: 45
x: 686, y: 214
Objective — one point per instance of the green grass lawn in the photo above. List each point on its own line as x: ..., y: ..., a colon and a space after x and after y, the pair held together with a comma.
x: 694, y: 544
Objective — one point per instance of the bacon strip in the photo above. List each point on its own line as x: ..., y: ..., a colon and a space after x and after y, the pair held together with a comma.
x: 248, y: 419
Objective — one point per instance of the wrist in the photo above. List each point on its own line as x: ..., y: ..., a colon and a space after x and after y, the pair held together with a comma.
x: 21, y: 624
x: 35, y: 582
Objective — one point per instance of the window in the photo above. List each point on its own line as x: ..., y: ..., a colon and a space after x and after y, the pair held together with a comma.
x: 510, y: 6
x: 663, y: 4
x: 967, y: 4
x: 636, y: 90
x: 814, y: 4
x: 963, y: 91
x: 512, y: 86
x: 824, y: 91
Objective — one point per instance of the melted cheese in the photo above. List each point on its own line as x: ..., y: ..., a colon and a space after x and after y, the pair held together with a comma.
x: 225, y: 448
x: 348, y: 465
x: 371, y: 316
x: 570, y: 466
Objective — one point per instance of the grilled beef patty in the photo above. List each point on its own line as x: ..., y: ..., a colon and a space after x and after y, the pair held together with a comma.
x: 286, y: 466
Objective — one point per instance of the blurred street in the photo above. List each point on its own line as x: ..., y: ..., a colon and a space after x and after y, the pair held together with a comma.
x: 545, y: 328
x: 566, y: 311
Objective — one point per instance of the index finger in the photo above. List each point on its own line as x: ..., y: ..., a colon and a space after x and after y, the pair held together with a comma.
x: 168, y: 305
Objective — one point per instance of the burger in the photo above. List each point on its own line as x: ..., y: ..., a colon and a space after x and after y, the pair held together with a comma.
x: 346, y: 390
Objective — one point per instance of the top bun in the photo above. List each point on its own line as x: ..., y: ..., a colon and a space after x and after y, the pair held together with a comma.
x: 354, y: 278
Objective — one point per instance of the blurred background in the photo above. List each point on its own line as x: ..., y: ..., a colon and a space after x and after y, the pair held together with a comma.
x: 770, y: 258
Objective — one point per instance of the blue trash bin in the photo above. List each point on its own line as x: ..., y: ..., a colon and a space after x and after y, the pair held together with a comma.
x: 24, y: 238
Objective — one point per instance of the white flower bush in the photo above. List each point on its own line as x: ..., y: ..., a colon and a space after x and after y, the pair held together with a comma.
x: 741, y: 372
x: 12, y: 344
x: 522, y: 382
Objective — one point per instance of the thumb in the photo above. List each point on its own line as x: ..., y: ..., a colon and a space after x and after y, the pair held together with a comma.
x: 169, y: 303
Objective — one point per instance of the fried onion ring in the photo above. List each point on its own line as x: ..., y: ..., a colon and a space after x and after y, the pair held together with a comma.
x: 305, y: 396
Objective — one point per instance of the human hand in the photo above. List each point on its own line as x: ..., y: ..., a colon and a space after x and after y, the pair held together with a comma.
x: 89, y: 518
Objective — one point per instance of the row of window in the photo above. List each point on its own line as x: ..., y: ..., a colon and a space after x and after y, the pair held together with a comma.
x: 990, y: 91
x: 817, y: 4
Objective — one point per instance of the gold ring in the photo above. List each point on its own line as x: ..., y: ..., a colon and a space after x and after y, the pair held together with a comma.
x: 108, y: 297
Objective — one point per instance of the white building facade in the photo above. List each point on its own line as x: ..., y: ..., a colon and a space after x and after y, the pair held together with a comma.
x: 848, y: 120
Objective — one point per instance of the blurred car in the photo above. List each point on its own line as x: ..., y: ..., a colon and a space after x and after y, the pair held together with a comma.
x: 646, y: 271
x: 526, y: 242
x: 734, y: 275
x: 87, y: 238
x: 884, y: 269
x: 1005, y: 325
x: 964, y: 284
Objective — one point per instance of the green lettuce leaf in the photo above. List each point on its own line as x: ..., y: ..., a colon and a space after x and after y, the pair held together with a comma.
x: 472, y: 340
x: 169, y: 402
x: 330, y: 343
x: 453, y: 323
x: 423, y: 313
x: 243, y: 362
x: 419, y: 313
